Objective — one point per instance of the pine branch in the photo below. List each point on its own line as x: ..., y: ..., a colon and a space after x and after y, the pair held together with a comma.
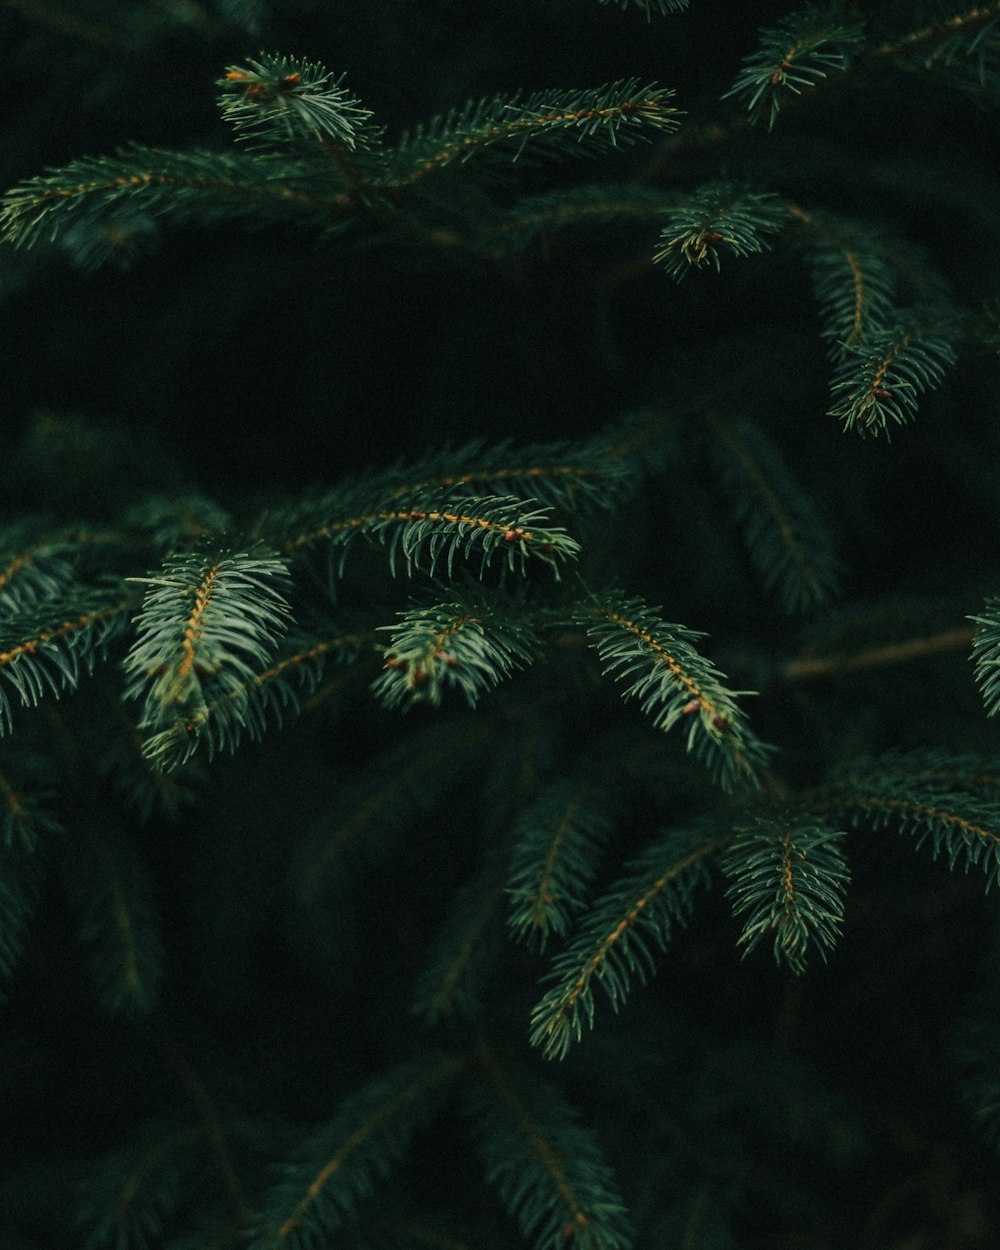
x: 469, y: 641
x: 853, y: 279
x: 548, y: 1168
x: 340, y: 1163
x: 785, y: 538
x: 108, y: 887
x: 647, y: 6
x: 614, y: 945
x: 207, y: 620
x: 884, y: 373
x: 549, y: 123
x: 986, y: 654
x: 789, y: 880
x: 962, y: 826
x: 793, y: 57
x: 673, y: 682
x: 45, y: 647
x: 557, y: 847
x: 430, y: 528
x: 719, y: 218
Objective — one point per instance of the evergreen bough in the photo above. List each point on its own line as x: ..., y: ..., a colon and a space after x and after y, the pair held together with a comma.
x: 457, y: 894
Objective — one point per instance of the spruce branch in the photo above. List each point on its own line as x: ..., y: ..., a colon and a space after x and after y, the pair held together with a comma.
x: 788, y: 880
x: 548, y: 1168
x: 986, y: 654
x: 961, y: 825
x: 647, y: 6
x: 197, y: 186
x: 549, y: 123
x: 208, y: 618
x: 431, y: 528
x: 469, y: 641
x: 793, y: 57
x: 615, y: 942
x: 673, y: 682
x: 785, y: 538
x: 252, y: 704
x: 717, y: 218
x: 557, y: 846
x: 884, y: 373
x: 46, y: 646
x: 340, y: 1162
x: 276, y: 101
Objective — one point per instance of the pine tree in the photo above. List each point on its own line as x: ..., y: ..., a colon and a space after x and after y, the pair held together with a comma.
x: 500, y: 626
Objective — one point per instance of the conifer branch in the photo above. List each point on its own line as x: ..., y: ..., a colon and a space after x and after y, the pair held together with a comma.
x: 673, y: 681
x: 206, y: 620
x: 794, y: 56
x: 547, y: 123
x: 469, y: 641
x: 548, y: 1168
x: 986, y: 654
x: 275, y: 101
x: 717, y: 218
x: 963, y: 826
x: 784, y: 536
x: 557, y: 846
x: 884, y: 374
x: 44, y: 647
x: 341, y: 1161
x: 249, y: 706
x: 615, y: 942
x: 197, y: 186
x: 790, y: 877
x: 432, y: 528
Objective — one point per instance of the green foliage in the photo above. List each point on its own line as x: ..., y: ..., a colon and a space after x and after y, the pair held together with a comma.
x: 784, y: 537
x: 338, y: 1163
x: 961, y: 824
x: 547, y: 1167
x: 986, y: 654
x: 207, y: 620
x: 673, y: 682
x: 613, y: 946
x: 275, y: 101
x: 557, y: 847
x: 468, y: 641
x: 793, y: 57
x: 884, y: 374
x: 720, y: 218
x: 461, y: 369
x: 789, y: 881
